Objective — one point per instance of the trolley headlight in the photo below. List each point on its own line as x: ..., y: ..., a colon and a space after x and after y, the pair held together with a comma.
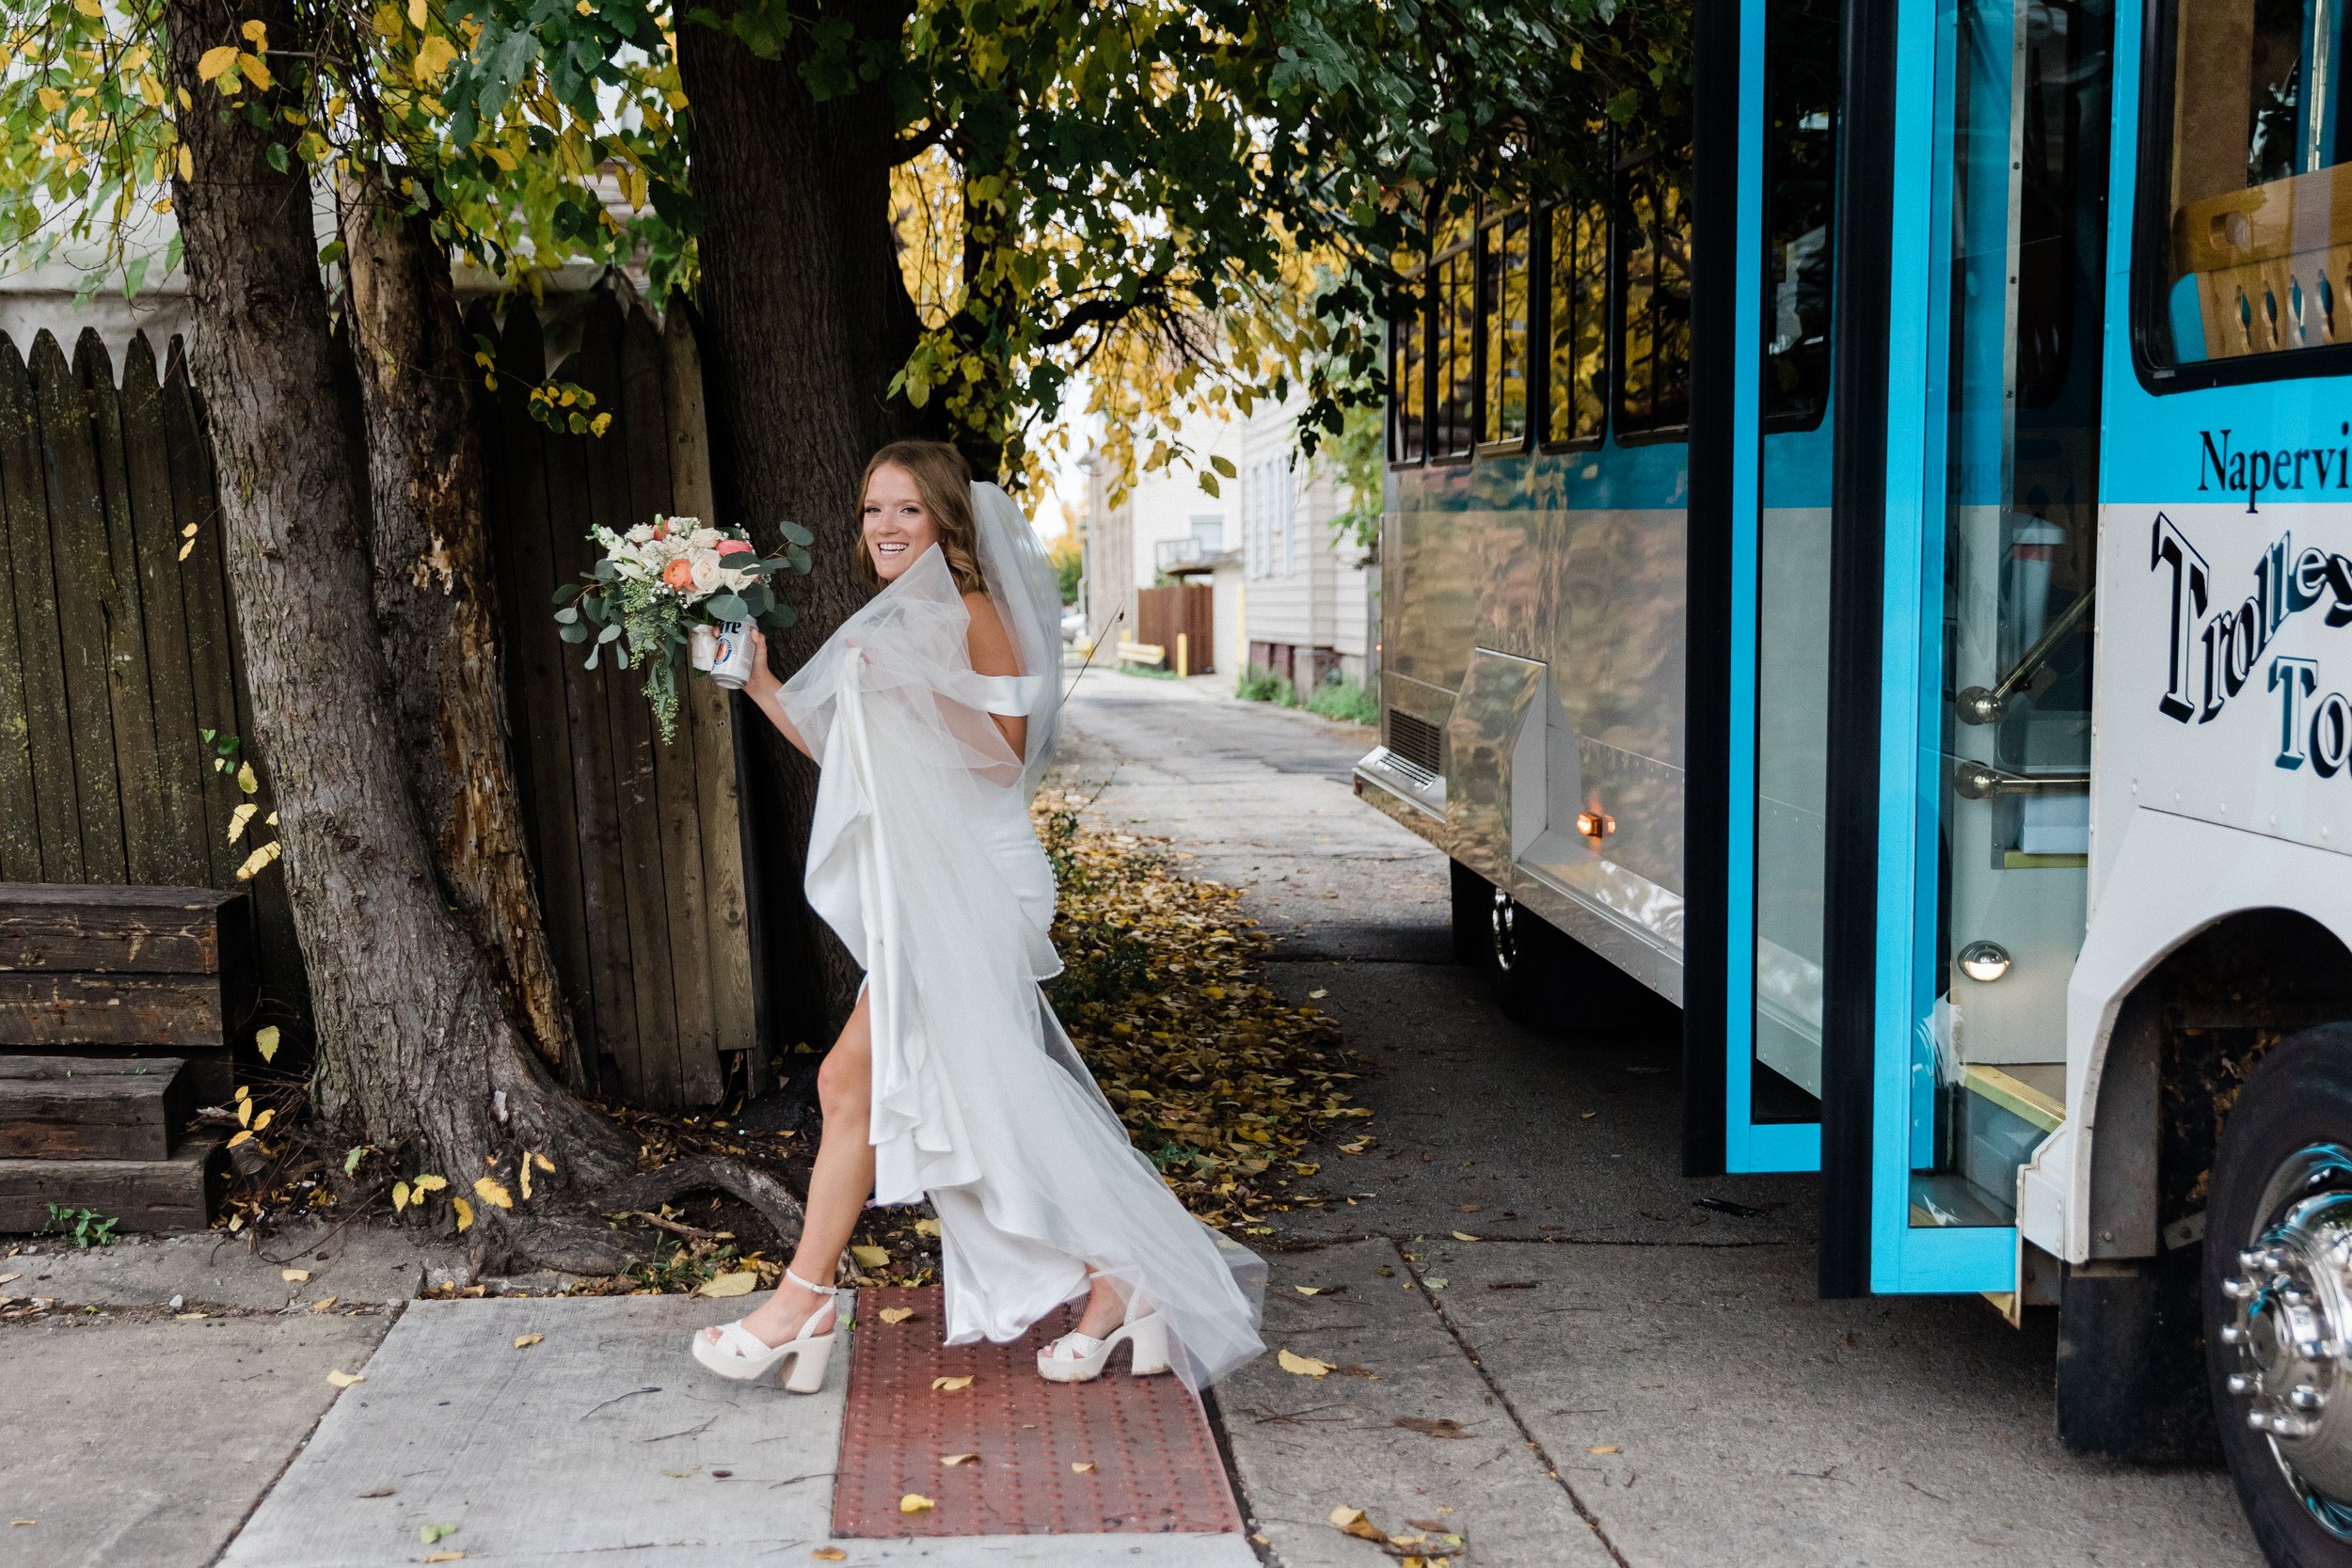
x: 1984, y: 961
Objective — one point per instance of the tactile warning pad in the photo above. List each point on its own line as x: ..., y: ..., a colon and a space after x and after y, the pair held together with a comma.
x: 1155, y: 1466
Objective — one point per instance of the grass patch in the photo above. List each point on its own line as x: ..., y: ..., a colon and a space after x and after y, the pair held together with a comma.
x: 1345, y: 700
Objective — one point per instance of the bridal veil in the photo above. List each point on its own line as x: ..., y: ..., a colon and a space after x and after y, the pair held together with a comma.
x: 923, y: 860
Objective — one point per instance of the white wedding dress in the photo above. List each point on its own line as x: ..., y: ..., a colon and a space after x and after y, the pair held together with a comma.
x: 923, y: 860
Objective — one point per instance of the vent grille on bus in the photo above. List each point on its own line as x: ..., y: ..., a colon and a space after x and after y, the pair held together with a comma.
x: 1414, y: 739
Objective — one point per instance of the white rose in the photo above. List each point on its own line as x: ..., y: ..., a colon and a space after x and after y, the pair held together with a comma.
x: 707, y: 574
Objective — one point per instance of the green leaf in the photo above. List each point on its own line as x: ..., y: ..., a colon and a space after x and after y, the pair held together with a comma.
x: 1223, y: 465
x: 796, y: 534
x: 608, y: 634
x: 331, y: 253
x: 573, y: 633
x: 277, y: 156
x: 568, y: 615
x: 726, y: 607
x: 798, y: 558
x: 350, y: 1161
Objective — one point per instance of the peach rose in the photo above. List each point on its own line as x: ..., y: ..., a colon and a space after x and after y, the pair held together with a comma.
x: 734, y: 547
x: 679, y: 574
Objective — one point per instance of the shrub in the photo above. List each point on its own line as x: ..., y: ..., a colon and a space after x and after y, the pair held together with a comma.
x: 1343, y: 699
x: 1265, y: 686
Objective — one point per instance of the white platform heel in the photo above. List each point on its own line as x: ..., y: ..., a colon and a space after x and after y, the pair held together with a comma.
x: 1082, y: 1357
x: 742, y: 1356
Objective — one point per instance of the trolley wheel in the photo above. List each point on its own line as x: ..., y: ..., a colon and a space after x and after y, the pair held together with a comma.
x: 1473, y: 906
x: 1546, y: 981
x: 2278, y: 1298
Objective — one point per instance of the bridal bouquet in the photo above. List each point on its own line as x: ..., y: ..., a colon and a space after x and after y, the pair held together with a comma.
x: 659, y: 581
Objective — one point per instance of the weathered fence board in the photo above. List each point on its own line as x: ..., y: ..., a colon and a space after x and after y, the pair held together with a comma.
x: 58, y: 820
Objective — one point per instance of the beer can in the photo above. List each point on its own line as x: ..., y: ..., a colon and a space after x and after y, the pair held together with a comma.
x: 731, y: 652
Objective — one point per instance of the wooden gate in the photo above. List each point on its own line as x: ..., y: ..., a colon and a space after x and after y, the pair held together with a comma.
x: 1187, y: 607
x: 639, y: 845
x: 116, y: 643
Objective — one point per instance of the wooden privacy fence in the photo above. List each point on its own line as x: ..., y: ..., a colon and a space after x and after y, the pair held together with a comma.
x: 118, y: 647
x: 639, y: 846
x: 116, y: 644
x: 1188, y: 607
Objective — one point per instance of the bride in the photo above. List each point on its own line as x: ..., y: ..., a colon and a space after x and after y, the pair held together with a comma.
x: 931, y: 712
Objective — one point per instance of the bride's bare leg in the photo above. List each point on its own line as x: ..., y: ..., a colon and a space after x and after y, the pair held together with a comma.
x: 838, y: 1187
x: 1104, y: 1310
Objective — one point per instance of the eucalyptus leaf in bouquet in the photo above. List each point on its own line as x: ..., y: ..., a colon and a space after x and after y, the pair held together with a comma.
x: 655, y: 583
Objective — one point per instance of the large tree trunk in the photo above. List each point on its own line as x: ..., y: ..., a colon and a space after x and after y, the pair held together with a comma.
x: 436, y: 611
x: 808, y: 321
x: 415, y: 1048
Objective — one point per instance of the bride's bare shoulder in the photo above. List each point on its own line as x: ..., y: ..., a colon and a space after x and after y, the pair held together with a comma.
x: 989, y: 643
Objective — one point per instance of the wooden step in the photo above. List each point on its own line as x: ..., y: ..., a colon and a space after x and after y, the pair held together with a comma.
x: 88, y: 1108
x: 144, y: 966
x: 177, y: 1194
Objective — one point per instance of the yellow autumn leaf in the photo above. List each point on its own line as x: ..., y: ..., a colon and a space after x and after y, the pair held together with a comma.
x: 255, y: 32
x: 927, y: 1228
x: 344, y: 1380
x: 737, y: 1284
x: 950, y: 1384
x: 1307, y: 1290
x: 1082, y: 1467
x: 464, y: 1212
x: 89, y: 8
x: 265, y: 1041
x: 522, y: 1168
x: 442, y: 1557
x: 51, y: 99
x: 430, y: 1183
x: 271, y: 819
x: 544, y: 1163
x: 490, y: 1192
x: 293, y: 1276
x: 187, y: 171
x: 895, y: 1314
x: 245, y: 780
x: 191, y: 544
x: 915, y: 1503
x: 244, y: 1092
x: 1463, y: 1236
x: 830, y: 1554
x: 434, y: 57
x: 215, y: 61
x: 870, y: 1257
x: 240, y: 1137
x: 416, y: 14
x: 524, y: 1341
x: 1604, y: 1447
x: 322, y: 1304
x: 256, y: 861
x: 951, y: 1460
x: 255, y: 71
x: 1305, y: 1366
x: 400, y: 1196
x: 260, y: 1123
x: 245, y: 1111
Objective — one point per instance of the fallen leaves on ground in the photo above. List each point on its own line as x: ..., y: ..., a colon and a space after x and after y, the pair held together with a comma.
x: 740, y: 1283
x: 430, y: 1533
x: 830, y: 1554
x: 952, y: 1460
x: 1305, y: 1366
x: 442, y: 1557
x: 345, y: 1380
x: 293, y: 1276
x: 1351, y: 1521
x: 915, y: 1503
x: 1163, y: 990
x: 1082, y: 1467
x: 951, y: 1385
x: 524, y: 1341
x: 1605, y: 1448
x: 895, y: 1314
x: 870, y: 1257
x: 1433, y: 1426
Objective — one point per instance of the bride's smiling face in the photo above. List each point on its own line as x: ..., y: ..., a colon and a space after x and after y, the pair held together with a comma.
x: 898, y: 525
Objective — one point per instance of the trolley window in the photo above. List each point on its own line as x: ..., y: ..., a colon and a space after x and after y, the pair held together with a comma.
x: 1654, y: 328
x: 2254, y: 257
x: 1452, y: 352
x: 1408, y: 383
x: 1800, y: 173
x: 1503, y: 261
x: 1577, y: 367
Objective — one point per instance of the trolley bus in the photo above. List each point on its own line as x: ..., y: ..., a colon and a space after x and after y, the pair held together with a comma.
x: 1878, y: 577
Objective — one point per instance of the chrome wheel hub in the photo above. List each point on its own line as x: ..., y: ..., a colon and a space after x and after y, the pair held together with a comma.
x: 2291, y: 1328
x: 1506, y: 936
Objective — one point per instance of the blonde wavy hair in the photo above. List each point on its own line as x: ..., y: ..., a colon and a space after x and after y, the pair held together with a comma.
x: 944, y: 480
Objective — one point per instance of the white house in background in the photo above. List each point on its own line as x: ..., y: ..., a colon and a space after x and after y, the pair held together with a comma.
x: 1290, y: 597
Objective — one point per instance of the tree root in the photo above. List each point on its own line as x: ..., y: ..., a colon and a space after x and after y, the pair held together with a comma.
x: 504, y: 1244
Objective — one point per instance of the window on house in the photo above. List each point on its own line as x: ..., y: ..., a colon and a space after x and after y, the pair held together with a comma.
x: 1654, y: 328
x: 1503, y: 257
x: 1452, y: 343
x: 1577, y: 361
